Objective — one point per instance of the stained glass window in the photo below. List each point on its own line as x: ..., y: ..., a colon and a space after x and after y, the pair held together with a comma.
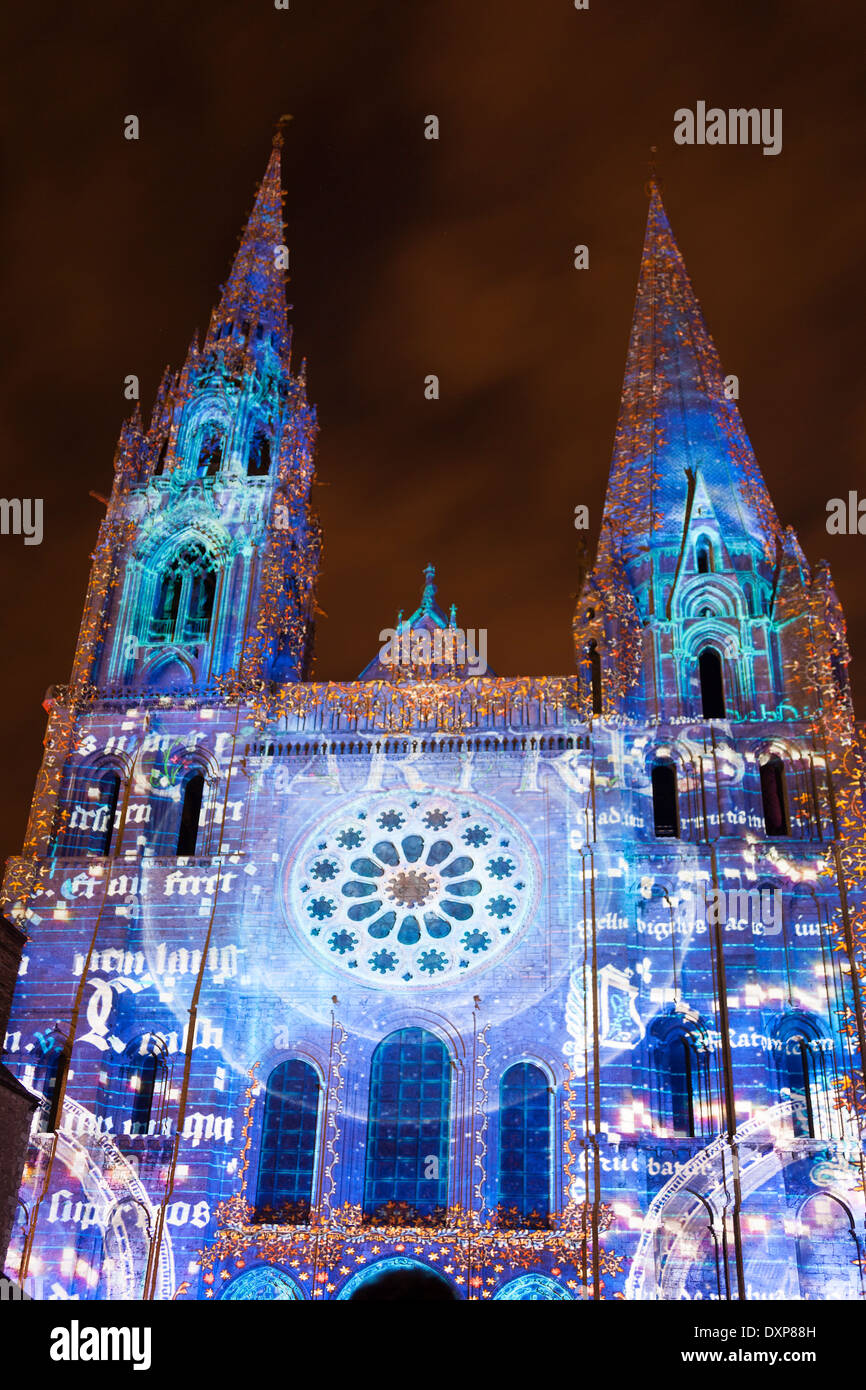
x: 289, y: 1141
x: 407, y: 1136
x: 524, y: 1143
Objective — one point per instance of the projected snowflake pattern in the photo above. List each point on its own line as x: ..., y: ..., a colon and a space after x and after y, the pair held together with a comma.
x: 414, y: 895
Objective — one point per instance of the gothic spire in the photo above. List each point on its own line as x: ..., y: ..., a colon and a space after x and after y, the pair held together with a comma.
x: 253, y: 303
x: 677, y: 414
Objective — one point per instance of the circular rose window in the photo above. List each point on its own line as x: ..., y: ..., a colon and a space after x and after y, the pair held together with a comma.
x: 411, y: 889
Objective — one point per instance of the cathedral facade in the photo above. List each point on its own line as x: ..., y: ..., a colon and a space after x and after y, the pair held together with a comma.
x: 546, y: 988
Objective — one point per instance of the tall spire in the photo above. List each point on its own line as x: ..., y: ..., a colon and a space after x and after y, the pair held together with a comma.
x: 253, y: 303
x: 428, y: 598
x: 675, y: 416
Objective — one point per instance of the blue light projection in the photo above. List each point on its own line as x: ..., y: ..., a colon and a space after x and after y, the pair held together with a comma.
x: 325, y: 980
x: 262, y: 1284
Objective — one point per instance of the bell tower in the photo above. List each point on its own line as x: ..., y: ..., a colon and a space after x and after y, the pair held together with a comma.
x: 209, y: 553
x: 697, y: 599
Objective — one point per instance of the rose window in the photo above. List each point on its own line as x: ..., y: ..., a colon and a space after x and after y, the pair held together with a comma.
x: 407, y: 889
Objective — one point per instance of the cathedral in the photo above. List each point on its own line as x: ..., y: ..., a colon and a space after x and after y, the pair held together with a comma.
x: 536, y: 988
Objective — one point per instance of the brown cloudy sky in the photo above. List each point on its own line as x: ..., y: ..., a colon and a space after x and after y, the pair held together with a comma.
x: 411, y: 257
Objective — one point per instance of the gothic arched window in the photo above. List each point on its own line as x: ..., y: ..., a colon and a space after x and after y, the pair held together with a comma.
x: 185, y: 593
x: 164, y: 622
x: 829, y: 1253
x: 712, y: 684
x: 92, y: 814
x: 704, y: 556
x: 773, y: 796
x: 159, y: 467
x: 595, y: 676
x: 407, y: 1132
x: 288, y: 1153
x: 666, y: 818
x: 54, y: 1071
x: 524, y: 1144
x: 801, y: 1067
x: 210, y: 451
x: 202, y: 590
x: 109, y: 784
x: 190, y: 814
x: 259, y: 458
x: 798, y: 1072
x: 145, y: 1076
x: 682, y: 1081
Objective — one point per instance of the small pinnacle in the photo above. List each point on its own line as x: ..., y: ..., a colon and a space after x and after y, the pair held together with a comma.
x: 653, y: 181
x: 279, y: 135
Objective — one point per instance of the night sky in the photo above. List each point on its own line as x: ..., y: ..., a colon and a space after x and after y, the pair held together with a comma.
x: 412, y: 257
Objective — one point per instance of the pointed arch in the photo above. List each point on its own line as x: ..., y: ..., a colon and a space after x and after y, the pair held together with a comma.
x: 288, y: 1149
x: 92, y: 805
x: 532, y: 1288
x: 51, y: 1081
x: 724, y: 597
x: 259, y: 456
x: 211, y: 446
x: 408, y: 1124
x: 802, y: 1074
x: 829, y: 1254
x: 111, y: 786
x: 190, y: 813
x: 394, y: 1277
x: 184, y: 595
x: 665, y: 795
x: 774, y: 798
x: 712, y: 683
x: 704, y: 556
x: 595, y: 677
x: 681, y: 1071
x: 159, y: 466
x: 261, y: 1283
x: 144, y: 1082
x: 171, y: 669
x: 524, y: 1145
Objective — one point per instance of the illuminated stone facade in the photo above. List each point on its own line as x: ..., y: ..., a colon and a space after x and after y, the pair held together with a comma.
x: 545, y: 985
